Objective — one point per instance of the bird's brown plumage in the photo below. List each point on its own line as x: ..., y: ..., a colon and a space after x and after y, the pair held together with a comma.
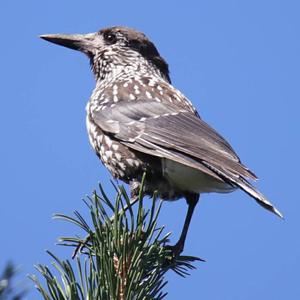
x: 137, y: 121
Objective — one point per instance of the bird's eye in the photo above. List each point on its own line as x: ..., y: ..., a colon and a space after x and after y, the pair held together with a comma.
x: 110, y: 38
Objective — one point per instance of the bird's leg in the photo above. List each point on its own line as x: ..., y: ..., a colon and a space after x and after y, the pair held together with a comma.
x: 192, y: 201
x: 135, y: 187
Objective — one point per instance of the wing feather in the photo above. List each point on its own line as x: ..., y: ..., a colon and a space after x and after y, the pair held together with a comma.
x: 166, y: 131
x: 166, y: 126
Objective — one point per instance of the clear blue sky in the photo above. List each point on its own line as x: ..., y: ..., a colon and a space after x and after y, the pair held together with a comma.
x: 238, y: 61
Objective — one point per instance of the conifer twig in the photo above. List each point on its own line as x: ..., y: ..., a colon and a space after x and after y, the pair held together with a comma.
x: 124, y: 257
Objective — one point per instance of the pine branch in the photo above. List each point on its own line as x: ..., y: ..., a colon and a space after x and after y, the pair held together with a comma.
x: 8, y: 288
x: 123, y: 257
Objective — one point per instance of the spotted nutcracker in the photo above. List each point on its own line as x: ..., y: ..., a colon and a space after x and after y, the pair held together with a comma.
x: 138, y: 122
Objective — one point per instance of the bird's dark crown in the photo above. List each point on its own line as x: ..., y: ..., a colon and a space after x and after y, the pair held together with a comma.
x: 129, y: 39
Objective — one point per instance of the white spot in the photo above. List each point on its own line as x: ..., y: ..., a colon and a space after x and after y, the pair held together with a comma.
x: 132, y: 97
x: 130, y: 161
x: 118, y: 156
x: 143, y: 119
x: 115, y: 147
x: 148, y: 94
x: 157, y: 99
x: 104, y: 158
x: 108, y: 154
x: 102, y: 150
x: 152, y: 82
x: 108, y: 141
x: 125, y: 84
x: 115, y: 90
x: 121, y: 173
x: 159, y: 88
x: 122, y: 166
x: 116, y: 99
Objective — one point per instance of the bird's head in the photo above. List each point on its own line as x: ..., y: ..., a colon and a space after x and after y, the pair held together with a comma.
x: 114, y: 48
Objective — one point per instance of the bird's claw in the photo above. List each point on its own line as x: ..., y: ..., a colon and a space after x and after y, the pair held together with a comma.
x: 175, y: 250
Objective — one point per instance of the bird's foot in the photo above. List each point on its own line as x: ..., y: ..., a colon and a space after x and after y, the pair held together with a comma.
x: 176, y: 249
x: 177, y: 262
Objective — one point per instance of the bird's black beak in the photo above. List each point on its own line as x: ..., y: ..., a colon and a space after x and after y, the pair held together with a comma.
x: 82, y: 42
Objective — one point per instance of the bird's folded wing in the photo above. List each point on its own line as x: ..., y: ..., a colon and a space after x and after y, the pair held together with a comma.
x: 164, y: 130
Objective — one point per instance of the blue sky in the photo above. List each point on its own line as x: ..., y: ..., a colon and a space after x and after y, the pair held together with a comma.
x: 238, y: 61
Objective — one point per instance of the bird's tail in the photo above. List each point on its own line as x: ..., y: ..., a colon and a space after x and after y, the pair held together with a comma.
x: 242, y: 183
x: 258, y: 196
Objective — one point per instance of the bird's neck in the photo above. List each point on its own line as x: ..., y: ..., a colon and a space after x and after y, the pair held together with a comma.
x: 109, y: 68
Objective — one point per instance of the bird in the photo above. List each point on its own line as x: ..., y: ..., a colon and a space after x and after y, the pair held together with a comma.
x: 138, y: 122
